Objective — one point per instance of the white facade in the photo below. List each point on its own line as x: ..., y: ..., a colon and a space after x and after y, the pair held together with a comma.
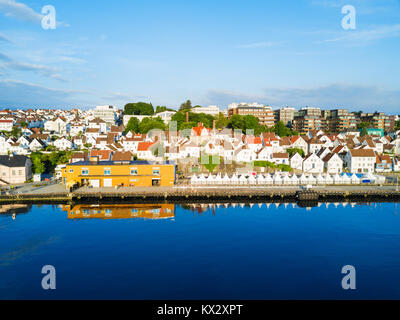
x: 211, y: 110
x: 106, y: 113
x: 361, y: 161
x: 6, y: 125
x: 313, y: 164
x: 296, y: 162
x: 334, y: 164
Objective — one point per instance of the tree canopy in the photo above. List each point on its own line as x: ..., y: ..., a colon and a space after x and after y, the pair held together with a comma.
x: 186, y: 105
x: 148, y: 124
x: 133, y: 125
x: 47, y: 162
x: 139, y: 109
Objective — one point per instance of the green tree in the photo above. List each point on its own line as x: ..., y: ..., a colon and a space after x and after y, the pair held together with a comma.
x: 221, y: 121
x: 236, y: 122
x: 293, y: 151
x: 252, y: 123
x: 16, y: 132
x: 148, y: 124
x: 163, y: 108
x: 281, y: 130
x: 180, y: 119
x: 364, y: 125
x: 37, y: 165
x: 139, y: 108
x: 133, y: 125
x: 186, y: 105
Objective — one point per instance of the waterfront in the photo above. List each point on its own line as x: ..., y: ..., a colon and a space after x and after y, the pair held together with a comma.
x: 241, y: 251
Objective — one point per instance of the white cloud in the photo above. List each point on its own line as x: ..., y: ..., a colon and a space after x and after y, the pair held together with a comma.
x: 46, y: 71
x: 4, y: 38
x: 72, y: 60
x: 266, y: 44
x: 19, y: 11
x: 357, y: 36
x: 16, y: 93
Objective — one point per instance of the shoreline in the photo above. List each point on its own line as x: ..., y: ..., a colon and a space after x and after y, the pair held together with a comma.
x: 212, y: 194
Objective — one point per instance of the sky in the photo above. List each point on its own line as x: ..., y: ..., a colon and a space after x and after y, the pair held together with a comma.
x: 280, y: 53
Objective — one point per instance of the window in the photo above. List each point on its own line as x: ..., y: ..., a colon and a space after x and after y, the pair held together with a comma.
x: 156, y: 172
x: 85, y: 172
x: 71, y: 171
x: 134, y: 172
x: 13, y: 172
x: 107, y: 172
x: 20, y: 172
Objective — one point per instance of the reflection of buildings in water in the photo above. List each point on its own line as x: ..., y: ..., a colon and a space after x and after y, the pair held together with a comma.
x: 121, y: 211
x: 14, y: 209
x: 200, y: 208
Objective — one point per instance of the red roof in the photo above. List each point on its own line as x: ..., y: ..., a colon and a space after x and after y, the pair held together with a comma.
x: 104, y: 155
x: 198, y: 130
x: 144, y: 146
x: 253, y: 140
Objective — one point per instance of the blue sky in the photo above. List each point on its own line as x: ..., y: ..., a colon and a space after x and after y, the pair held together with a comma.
x: 292, y: 52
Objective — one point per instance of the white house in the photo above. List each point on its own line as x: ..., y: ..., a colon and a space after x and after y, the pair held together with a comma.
x: 299, y: 143
x: 6, y: 125
x: 59, y: 126
x: 333, y: 163
x: 296, y: 161
x: 361, y: 160
x: 265, y: 154
x: 63, y: 144
x: 313, y: 164
x: 280, y: 158
x: 244, y: 155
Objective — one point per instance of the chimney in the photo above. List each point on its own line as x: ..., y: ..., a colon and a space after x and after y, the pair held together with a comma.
x: 94, y: 160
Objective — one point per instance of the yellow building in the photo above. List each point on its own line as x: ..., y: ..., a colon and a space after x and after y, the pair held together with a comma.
x: 121, y: 211
x: 119, y: 173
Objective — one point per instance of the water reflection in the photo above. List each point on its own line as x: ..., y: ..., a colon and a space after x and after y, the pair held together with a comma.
x: 14, y: 209
x: 200, y: 208
x: 120, y: 211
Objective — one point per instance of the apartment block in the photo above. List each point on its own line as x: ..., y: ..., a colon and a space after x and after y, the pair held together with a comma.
x: 263, y: 113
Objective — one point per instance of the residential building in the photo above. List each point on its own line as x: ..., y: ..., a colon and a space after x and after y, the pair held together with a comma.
x: 264, y: 114
x: 97, y: 173
x: 333, y: 163
x: 106, y: 113
x: 361, y: 160
x: 313, y: 164
x: 211, y: 110
x: 15, y: 169
x: 286, y: 115
x: 340, y: 120
x: 6, y: 125
x: 309, y: 119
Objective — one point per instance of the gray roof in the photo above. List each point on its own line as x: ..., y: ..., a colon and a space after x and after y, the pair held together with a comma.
x: 13, y: 161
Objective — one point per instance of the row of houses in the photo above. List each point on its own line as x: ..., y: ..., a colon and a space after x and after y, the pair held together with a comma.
x: 312, y: 152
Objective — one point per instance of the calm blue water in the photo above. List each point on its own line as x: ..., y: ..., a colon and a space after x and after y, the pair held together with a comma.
x: 221, y: 253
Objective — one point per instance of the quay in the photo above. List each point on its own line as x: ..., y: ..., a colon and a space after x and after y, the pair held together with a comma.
x: 189, y: 194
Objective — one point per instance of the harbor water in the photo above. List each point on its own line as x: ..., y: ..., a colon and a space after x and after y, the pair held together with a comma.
x: 200, y: 251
